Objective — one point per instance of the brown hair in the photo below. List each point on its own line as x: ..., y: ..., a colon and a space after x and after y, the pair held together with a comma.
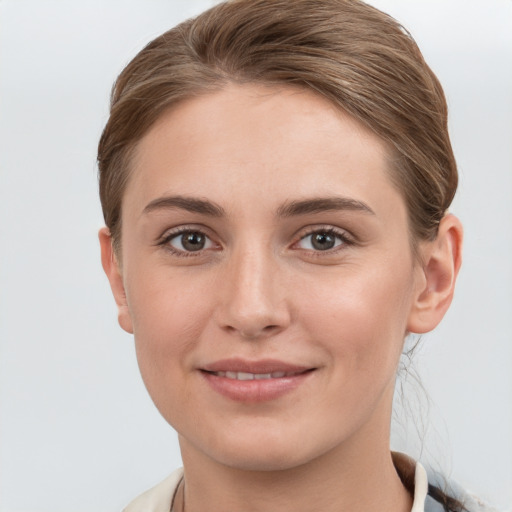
x: 357, y: 57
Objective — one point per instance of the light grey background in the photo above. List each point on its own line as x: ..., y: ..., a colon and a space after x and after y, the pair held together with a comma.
x: 78, y: 431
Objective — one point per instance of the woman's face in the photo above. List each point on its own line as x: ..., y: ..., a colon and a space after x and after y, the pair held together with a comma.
x: 268, y: 276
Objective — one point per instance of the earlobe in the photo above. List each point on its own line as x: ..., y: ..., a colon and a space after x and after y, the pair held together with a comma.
x: 111, y: 267
x: 441, y: 263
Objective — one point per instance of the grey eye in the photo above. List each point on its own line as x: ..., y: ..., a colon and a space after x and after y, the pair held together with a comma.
x: 320, y: 241
x: 191, y: 241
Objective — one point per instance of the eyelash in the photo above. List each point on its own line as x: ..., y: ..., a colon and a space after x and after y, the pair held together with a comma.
x: 166, y: 239
x: 328, y: 230
x: 341, y: 235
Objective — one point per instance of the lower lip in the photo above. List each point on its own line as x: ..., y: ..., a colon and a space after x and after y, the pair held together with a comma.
x: 257, y: 390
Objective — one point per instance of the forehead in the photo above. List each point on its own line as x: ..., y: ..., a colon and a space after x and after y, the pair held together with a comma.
x: 283, y: 143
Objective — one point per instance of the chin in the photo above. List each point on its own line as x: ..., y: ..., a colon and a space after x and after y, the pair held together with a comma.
x: 264, y: 449
x: 258, y: 460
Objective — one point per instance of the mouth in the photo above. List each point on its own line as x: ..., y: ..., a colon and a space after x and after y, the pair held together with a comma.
x: 256, y: 381
x: 256, y: 376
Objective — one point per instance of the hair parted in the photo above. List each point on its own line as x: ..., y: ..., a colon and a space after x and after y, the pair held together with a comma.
x: 355, y: 56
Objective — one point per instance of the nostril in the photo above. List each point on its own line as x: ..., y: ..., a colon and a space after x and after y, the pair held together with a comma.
x: 252, y: 334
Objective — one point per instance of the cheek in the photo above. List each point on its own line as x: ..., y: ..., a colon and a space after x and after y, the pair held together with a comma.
x: 360, y: 316
x: 168, y: 318
x: 165, y: 305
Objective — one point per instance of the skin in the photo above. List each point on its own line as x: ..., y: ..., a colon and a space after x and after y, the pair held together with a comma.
x: 260, y: 289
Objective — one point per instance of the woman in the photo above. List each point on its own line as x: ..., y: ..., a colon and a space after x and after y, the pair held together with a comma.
x: 275, y: 178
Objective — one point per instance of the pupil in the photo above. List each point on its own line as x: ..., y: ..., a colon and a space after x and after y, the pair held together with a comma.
x: 323, y: 241
x: 193, y: 241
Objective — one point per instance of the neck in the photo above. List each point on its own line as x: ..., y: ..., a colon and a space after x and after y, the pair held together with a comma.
x: 356, y: 476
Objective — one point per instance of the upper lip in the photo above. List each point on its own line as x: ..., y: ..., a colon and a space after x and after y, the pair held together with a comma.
x: 258, y: 367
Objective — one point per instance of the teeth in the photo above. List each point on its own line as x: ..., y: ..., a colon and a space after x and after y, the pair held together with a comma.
x: 262, y: 376
x: 252, y: 376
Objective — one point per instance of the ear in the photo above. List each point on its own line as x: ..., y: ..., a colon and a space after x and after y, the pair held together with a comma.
x: 112, y: 269
x: 436, y: 278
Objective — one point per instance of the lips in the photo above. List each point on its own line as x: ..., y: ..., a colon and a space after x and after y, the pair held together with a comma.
x: 254, y: 381
x: 254, y: 376
x: 260, y: 367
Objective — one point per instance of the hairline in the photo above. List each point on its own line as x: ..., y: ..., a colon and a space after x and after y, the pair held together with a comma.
x: 130, y: 151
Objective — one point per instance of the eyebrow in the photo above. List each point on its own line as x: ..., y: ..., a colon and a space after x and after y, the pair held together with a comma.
x: 191, y: 204
x: 322, y: 204
x: 289, y: 209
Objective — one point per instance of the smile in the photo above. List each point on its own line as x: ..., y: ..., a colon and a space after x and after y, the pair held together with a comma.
x: 254, y: 376
x: 255, y: 381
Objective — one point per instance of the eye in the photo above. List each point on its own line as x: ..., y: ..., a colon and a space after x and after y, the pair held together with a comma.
x: 321, y: 240
x: 189, y: 241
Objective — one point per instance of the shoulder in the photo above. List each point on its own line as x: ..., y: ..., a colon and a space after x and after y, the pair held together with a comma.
x: 451, y: 496
x: 433, y: 492
x: 159, y: 497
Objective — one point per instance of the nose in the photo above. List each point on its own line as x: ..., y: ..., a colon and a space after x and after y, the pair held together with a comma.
x: 252, y: 297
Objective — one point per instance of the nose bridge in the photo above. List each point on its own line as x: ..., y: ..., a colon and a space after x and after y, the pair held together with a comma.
x: 253, y: 302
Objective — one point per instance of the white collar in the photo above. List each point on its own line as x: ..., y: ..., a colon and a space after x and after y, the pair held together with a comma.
x: 420, y: 488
